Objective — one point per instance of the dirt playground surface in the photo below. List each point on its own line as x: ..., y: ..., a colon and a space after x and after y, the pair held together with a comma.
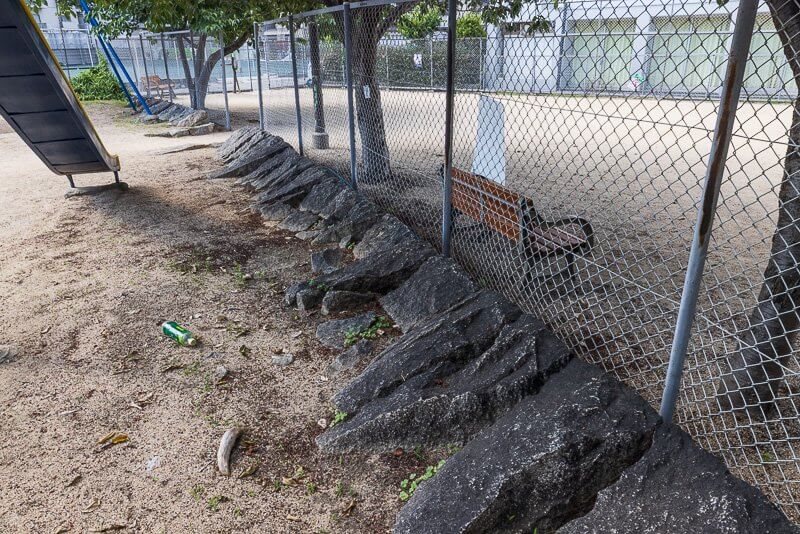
x: 85, y: 284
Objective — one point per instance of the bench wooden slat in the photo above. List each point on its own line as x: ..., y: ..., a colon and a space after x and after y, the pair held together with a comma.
x: 499, y: 208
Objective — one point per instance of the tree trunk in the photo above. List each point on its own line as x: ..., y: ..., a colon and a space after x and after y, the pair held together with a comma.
x: 316, y: 78
x: 204, y: 67
x: 757, y: 368
x: 367, y: 32
x: 179, y: 41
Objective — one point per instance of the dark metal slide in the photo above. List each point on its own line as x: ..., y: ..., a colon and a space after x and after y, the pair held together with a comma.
x: 38, y: 102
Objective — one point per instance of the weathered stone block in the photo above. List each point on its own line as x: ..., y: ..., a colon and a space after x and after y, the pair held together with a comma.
x: 463, y: 333
x: 438, y: 284
x: 326, y: 261
x: 380, y: 272
x: 678, y: 487
x: 332, y: 333
x: 385, y: 234
x: 456, y: 395
x: 540, y: 465
x: 336, y: 301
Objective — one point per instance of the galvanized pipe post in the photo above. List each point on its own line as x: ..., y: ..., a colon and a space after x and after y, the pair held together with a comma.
x: 729, y: 100
x: 144, y: 60
x: 224, y: 81
x: 296, y: 87
x: 258, y: 77
x: 166, y: 67
x: 447, y: 179
x: 348, y: 77
x: 133, y: 59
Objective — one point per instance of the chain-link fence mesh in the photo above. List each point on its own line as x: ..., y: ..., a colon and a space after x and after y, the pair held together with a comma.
x: 582, y: 137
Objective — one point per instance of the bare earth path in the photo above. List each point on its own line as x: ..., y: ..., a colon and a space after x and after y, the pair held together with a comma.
x: 84, y: 285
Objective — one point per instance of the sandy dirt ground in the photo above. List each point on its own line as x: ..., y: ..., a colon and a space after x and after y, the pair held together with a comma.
x: 84, y: 286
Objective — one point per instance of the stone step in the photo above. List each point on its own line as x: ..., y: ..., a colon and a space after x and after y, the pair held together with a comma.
x: 542, y: 464
x: 438, y: 285
x: 678, y: 487
x: 445, y: 396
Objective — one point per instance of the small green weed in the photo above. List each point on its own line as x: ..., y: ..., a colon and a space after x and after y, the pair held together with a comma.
x: 338, y: 417
x: 197, y: 492
x: 311, y: 488
x: 409, y: 485
x: 214, y: 502
x: 352, y: 336
x: 319, y: 285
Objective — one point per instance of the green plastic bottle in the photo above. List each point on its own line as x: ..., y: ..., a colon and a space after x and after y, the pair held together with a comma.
x: 179, y: 333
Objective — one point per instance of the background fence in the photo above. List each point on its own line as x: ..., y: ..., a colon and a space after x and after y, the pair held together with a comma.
x: 607, y: 117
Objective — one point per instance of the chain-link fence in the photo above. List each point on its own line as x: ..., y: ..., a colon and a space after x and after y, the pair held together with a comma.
x: 75, y: 50
x: 590, y: 141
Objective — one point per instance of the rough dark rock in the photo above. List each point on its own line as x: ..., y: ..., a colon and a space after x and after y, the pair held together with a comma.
x: 276, y: 211
x: 462, y: 334
x: 307, y: 235
x: 387, y: 233
x: 247, y: 145
x: 170, y: 112
x: 350, y: 358
x: 332, y: 333
x: 267, y: 166
x: 320, y: 196
x: 341, y: 204
x: 195, y: 118
x: 355, y: 223
x: 291, y: 166
x: 455, y: 396
x: 438, y: 284
x: 678, y: 487
x: 266, y: 148
x: 297, y: 221
x: 336, y: 301
x: 380, y: 272
x: 290, y: 294
x: 540, y: 465
x: 326, y: 261
x: 308, y: 299
x: 230, y: 147
x: 297, y: 188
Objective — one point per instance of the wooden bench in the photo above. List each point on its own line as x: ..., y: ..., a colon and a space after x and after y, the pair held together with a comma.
x: 155, y: 83
x: 514, y: 216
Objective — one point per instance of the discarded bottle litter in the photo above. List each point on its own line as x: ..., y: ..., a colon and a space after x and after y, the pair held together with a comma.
x: 179, y: 333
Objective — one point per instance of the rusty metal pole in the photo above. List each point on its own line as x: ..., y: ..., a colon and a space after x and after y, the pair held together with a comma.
x: 447, y: 179
x: 729, y: 101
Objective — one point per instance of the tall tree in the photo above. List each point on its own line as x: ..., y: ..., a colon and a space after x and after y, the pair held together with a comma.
x: 766, y: 346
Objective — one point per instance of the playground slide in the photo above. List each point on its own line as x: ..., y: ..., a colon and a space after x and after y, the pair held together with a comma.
x: 38, y: 102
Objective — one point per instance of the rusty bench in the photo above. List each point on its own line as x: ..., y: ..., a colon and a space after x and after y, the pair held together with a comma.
x: 156, y: 83
x: 514, y: 216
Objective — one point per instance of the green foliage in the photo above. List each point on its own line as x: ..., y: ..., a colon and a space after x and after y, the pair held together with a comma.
x: 352, y: 336
x: 420, y: 22
x: 470, y: 25
x: 97, y: 83
x: 338, y: 417
x: 409, y: 485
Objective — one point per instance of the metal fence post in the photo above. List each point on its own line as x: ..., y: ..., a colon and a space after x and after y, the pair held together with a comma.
x: 447, y: 179
x: 430, y: 41
x: 348, y: 77
x: 296, y: 87
x: 258, y: 77
x: 224, y: 81
x: 729, y: 100
x: 144, y: 60
x: 166, y: 67
x: 133, y: 61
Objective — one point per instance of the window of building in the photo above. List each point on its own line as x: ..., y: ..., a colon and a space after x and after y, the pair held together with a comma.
x: 689, y: 54
x: 599, y: 54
